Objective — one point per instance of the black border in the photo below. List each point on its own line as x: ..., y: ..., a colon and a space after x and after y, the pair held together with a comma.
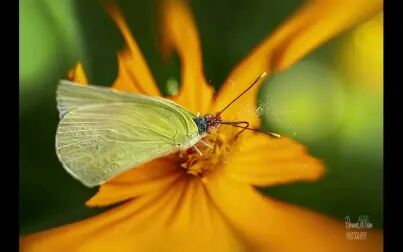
x: 393, y: 82
x: 9, y: 102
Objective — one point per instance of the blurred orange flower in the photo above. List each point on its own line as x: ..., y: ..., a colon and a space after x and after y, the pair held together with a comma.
x: 361, y: 56
x: 166, y: 207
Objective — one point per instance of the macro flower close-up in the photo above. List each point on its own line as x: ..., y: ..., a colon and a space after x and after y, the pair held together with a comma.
x: 211, y: 201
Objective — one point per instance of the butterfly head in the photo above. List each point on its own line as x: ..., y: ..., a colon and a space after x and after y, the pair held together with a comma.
x: 212, y: 122
x: 207, y: 124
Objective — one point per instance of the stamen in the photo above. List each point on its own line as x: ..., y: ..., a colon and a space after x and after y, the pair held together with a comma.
x: 215, y: 148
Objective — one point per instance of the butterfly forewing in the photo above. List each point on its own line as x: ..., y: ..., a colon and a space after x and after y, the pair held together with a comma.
x: 96, y: 142
x: 70, y: 95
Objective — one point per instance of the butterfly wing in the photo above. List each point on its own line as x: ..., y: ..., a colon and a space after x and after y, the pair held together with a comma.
x: 70, y: 95
x: 97, y: 142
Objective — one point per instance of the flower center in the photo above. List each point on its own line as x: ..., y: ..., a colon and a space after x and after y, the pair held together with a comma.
x: 222, y: 144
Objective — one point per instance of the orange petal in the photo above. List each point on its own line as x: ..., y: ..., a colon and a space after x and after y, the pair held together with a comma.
x: 312, y: 25
x: 77, y: 74
x: 84, y: 234
x: 179, y: 32
x: 152, y: 176
x: 262, y: 160
x: 270, y: 225
x: 180, y: 218
x: 136, y: 71
x: 125, y: 80
x: 335, y: 17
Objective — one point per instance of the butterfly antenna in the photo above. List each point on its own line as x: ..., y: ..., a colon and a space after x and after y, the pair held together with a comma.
x: 236, y: 124
x: 246, y: 90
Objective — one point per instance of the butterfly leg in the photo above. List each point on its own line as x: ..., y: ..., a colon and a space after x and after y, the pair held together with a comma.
x: 206, y: 144
x: 195, y: 148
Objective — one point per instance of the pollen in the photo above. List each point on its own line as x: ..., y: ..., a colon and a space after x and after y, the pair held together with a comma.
x: 222, y: 145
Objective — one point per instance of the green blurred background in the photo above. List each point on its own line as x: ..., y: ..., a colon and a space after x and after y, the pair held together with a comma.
x: 332, y: 100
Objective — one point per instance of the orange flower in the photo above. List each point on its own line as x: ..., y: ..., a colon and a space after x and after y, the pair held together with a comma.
x: 165, y: 207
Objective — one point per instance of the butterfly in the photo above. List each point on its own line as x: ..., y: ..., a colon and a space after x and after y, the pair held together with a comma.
x: 103, y: 132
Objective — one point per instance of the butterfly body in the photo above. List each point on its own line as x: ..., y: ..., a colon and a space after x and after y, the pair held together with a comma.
x: 103, y: 133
